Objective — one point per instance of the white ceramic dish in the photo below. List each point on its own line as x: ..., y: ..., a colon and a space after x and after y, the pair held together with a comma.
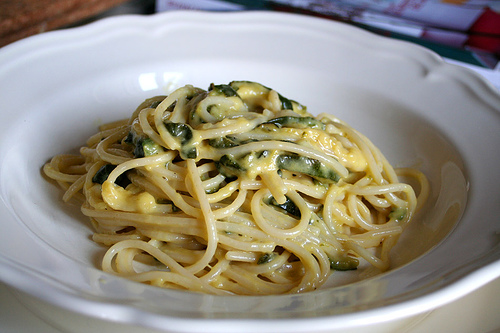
x: 445, y: 120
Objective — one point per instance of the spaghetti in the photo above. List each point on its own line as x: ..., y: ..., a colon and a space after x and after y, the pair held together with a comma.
x: 236, y: 190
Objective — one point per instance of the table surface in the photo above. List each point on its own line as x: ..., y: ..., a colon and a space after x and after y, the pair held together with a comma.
x: 23, y: 18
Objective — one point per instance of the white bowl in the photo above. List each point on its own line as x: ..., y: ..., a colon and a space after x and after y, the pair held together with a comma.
x: 421, y: 112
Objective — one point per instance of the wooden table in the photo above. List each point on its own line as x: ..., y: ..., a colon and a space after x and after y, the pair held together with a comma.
x: 23, y: 18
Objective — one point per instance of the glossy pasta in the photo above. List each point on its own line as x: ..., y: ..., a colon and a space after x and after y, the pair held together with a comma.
x: 236, y: 190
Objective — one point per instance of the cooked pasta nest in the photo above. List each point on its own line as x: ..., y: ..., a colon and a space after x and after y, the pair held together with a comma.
x: 237, y: 190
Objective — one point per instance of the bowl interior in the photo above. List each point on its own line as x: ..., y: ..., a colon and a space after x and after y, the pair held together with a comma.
x: 68, y: 117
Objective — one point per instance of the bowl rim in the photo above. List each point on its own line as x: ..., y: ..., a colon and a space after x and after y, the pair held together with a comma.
x: 459, y: 282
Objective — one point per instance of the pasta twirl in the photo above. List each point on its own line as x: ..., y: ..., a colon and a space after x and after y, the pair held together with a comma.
x: 236, y: 190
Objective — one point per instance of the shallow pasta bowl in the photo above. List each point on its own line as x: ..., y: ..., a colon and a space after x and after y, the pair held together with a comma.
x: 421, y: 112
